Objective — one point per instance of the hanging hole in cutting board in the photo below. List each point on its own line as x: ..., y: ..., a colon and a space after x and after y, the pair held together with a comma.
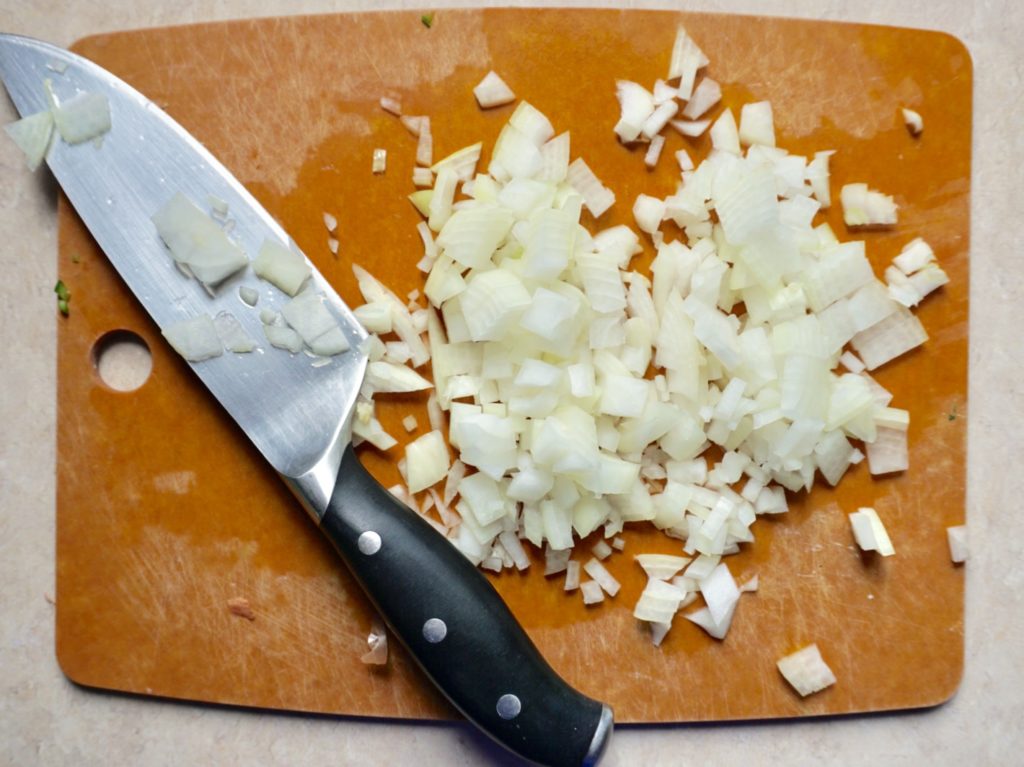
x: 122, y: 360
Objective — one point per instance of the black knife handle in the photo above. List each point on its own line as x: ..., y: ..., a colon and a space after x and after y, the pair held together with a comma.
x: 458, y: 628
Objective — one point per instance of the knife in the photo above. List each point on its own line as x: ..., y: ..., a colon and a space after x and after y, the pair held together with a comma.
x: 298, y: 415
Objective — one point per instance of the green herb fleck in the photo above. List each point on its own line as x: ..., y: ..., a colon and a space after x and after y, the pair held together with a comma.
x: 427, y: 19
x: 75, y: 259
x: 952, y: 414
x: 63, y: 297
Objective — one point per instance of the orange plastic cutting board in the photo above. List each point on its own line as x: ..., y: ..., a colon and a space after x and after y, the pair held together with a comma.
x: 165, y: 511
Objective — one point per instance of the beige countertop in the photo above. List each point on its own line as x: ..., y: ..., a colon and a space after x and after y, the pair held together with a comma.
x: 45, y: 719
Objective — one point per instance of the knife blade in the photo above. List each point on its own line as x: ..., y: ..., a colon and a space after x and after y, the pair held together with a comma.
x: 299, y: 416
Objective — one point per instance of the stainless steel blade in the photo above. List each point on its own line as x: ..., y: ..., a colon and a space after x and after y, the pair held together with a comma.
x: 296, y: 414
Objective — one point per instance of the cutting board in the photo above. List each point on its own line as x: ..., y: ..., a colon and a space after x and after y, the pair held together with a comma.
x: 165, y: 511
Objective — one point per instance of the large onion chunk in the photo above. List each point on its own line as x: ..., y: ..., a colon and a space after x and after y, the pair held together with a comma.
x: 427, y: 461
x: 492, y: 91
x: 84, y: 117
x: 197, y: 242
x: 806, y: 670
x: 866, y: 207
x: 195, y: 339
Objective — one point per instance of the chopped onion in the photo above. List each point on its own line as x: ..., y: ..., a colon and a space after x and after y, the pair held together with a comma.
x: 283, y: 337
x: 572, y: 576
x: 597, y: 571
x: 637, y: 106
x: 32, y: 134
x: 648, y: 212
x: 706, y: 95
x: 888, y: 452
x: 591, y: 592
x: 756, y: 126
x: 463, y: 162
x: 725, y: 136
x: 870, y: 533
x: 492, y: 91
x: 684, y: 160
x: 232, y: 336
x: 661, y: 566
x: 806, y: 671
x: 196, y: 242
x: 702, y: 617
x: 387, y: 377
x: 664, y: 92
x: 415, y: 124
x: 556, y: 561
x: 658, y: 603
x: 654, y: 151
x: 391, y: 105
x: 914, y: 121
x: 425, y: 143
x: 866, y: 207
x: 659, y: 119
x: 601, y: 550
x: 427, y: 461
x: 248, y: 295
x: 690, y: 128
x: 380, y: 160
x: 895, y: 335
x: 195, y: 339
x: 544, y: 356
x: 84, y: 117
x: 282, y: 267
x: 422, y: 177
x: 596, y: 196
x: 687, y: 58
x: 957, y: 538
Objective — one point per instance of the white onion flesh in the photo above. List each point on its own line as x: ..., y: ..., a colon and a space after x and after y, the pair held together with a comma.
x: 957, y: 539
x: 196, y: 339
x: 83, y: 118
x: 232, y: 335
x: 864, y: 207
x: 707, y: 93
x: 687, y: 58
x: 914, y: 121
x: 197, y: 242
x: 281, y: 267
x: 32, y: 135
x: 869, y: 532
x: 492, y: 91
x: 592, y: 592
x: 806, y: 671
x: 427, y: 461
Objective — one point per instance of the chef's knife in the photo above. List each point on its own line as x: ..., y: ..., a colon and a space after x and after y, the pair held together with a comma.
x: 298, y: 415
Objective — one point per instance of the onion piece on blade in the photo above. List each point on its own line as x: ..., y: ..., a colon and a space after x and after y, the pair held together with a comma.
x: 84, y: 117
x: 32, y: 134
x: 195, y: 339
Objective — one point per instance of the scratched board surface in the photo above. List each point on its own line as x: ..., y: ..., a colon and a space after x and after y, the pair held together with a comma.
x: 165, y: 511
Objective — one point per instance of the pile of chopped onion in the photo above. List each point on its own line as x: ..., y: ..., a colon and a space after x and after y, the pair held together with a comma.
x: 581, y: 395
